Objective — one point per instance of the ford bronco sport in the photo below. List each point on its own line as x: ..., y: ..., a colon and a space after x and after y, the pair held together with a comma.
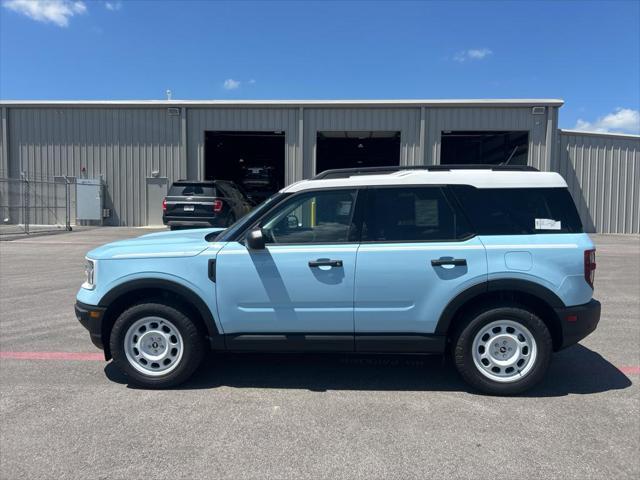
x: 490, y: 264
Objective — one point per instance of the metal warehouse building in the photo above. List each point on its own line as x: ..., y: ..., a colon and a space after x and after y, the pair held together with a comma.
x: 137, y: 148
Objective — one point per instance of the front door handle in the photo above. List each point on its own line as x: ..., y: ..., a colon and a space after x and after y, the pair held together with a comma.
x: 325, y: 262
x: 456, y: 262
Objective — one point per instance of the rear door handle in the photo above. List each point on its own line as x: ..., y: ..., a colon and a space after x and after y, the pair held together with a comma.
x: 457, y: 262
x: 322, y: 262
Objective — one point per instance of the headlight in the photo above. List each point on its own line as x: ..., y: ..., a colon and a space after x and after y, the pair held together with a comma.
x: 90, y: 274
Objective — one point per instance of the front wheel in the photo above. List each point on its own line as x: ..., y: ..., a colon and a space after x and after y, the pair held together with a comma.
x: 156, y: 345
x: 503, y: 350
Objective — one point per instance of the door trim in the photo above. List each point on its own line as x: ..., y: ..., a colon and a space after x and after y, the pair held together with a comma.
x: 336, y: 342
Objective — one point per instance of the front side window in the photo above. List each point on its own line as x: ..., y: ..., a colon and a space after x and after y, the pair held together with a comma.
x: 410, y: 215
x: 315, y: 217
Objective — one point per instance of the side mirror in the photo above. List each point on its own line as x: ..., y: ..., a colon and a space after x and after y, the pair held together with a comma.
x: 255, y: 240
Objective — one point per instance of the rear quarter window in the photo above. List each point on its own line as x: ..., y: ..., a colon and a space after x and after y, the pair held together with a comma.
x: 519, y: 211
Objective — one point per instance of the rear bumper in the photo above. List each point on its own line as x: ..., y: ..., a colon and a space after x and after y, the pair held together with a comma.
x: 577, y: 322
x: 90, y: 317
x: 177, y: 221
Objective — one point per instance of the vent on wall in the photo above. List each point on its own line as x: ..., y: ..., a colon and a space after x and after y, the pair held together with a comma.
x: 537, y: 110
x: 173, y: 111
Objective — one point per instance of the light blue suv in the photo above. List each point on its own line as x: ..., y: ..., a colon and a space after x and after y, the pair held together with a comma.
x: 489, y: 263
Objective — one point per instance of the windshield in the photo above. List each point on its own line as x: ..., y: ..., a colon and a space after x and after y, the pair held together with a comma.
x: 249, y: 218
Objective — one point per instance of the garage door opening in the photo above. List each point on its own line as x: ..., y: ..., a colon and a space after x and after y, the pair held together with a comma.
x: 478, y: 147
x: 356, y: 149
x: 253, y: 160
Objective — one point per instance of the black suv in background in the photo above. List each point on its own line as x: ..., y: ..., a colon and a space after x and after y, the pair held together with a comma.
x: 213, y: 203
x: 259, y: 183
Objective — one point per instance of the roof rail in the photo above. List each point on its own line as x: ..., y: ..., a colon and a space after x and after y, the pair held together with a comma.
x: 349, y: 172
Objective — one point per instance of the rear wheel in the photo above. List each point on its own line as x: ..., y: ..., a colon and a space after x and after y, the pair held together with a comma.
x: 156, y: 345
x: 503, y: 350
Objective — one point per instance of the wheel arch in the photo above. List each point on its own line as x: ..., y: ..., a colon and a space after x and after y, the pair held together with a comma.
x: 534, y: 296
x: 128, y: 293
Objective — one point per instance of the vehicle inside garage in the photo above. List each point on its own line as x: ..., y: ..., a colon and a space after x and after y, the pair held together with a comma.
x: 484, y: 147
x: 253, y: 160
x: 356, y: 149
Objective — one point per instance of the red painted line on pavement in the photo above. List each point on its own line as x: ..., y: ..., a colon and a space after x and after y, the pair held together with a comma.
x: 52, y: 356
x: 82, y: 356
x: 630, y: 370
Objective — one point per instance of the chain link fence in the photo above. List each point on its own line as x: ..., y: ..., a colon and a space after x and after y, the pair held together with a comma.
x: 32, y: 206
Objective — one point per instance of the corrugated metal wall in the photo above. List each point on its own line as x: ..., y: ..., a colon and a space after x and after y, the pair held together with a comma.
x: 404, y: 120
x: 4, y: 158
x: 123, y: 145
x: 283, y: 120
x: 496, y: 118
x: 603, y: 173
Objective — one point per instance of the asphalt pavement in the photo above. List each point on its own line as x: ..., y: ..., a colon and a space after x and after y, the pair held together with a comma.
x: 66, y: 414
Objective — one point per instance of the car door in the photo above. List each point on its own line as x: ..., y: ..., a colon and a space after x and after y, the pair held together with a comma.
x: 417, y: 253
x: 297, y: 293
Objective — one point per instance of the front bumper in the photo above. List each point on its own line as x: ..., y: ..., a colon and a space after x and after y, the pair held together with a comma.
x: 577, y: 322
x: 90, y: 317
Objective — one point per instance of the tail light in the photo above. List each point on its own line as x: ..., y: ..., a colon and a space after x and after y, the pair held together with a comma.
x: 217, y: 205
x: 590, y: 266
x: 164, y: 205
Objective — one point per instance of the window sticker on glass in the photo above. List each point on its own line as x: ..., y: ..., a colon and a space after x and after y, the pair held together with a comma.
x: 344, y: 208
x: 426, y: 213
x: 548, y: 224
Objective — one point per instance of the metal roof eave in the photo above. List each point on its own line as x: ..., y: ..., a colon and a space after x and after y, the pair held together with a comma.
x: 434, y: 103
x: 599, y: 134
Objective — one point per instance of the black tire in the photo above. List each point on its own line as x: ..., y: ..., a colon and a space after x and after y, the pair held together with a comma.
x: 474, y: 322
x: 193, y: 348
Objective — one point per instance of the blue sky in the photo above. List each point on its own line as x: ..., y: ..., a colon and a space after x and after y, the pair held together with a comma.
x: 587, y: 53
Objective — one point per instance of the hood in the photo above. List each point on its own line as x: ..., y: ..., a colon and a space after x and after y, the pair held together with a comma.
x: 179, y: 243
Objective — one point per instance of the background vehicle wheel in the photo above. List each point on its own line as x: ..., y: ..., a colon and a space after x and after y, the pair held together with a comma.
x: 503, y: 350
x: 156, y: 345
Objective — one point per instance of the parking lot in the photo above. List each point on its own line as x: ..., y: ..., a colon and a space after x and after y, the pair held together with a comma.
x: 64, y: 413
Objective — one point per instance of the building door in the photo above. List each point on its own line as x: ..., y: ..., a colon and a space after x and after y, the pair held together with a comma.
x: 252, y: 160
x: 484, y: 147
x: 156, y: 191
x: 354, y: 149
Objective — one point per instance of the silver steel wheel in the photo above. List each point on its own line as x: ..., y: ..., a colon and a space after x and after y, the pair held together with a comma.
x: 504, y: 351
x: 153, y: 346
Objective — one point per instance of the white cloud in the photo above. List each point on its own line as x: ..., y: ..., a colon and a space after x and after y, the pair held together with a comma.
x: 231, y: 84
x: 252, y: 81
x: 57, y: 12
x: 621, y: 120
x: 472, y: 54
x: 113, y: 6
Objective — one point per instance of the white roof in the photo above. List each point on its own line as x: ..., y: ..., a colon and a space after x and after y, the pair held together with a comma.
x: 475, y: 178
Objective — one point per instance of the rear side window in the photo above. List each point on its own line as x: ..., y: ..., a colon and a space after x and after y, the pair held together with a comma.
x: 519, y: 211
x: 192, y: 190
x: 411, y: 215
